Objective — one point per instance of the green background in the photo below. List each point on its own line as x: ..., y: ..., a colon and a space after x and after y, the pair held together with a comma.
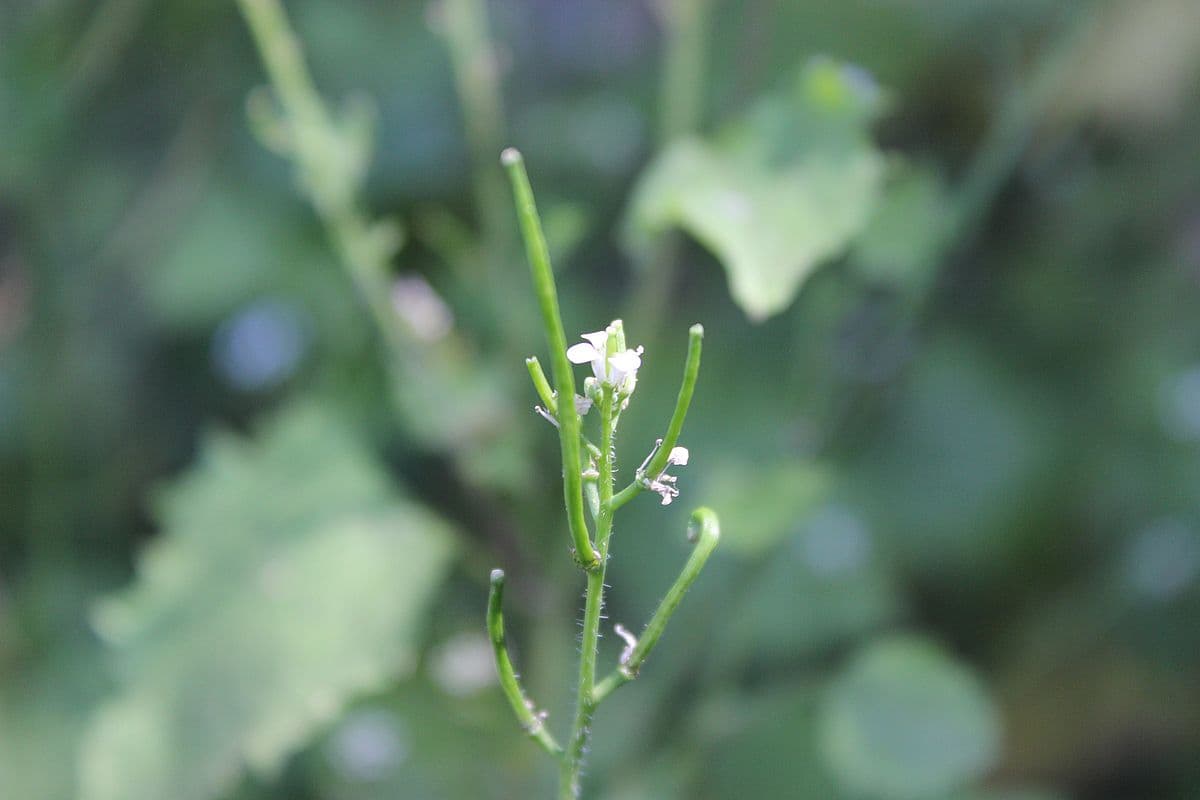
x: 947, y: 256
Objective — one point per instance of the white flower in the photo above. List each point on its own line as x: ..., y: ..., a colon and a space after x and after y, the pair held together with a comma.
x: 619, y: 369
x: 664, y: 487
x: 663, y: 484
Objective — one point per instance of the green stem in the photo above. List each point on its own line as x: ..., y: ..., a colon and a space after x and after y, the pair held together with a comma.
x: 541, y: 385
x: 532, y: 721
x: 683, y: 401
x: 564, y: 378
x: 572, y: 764
x: 282, y: 58
x: 705, y: 530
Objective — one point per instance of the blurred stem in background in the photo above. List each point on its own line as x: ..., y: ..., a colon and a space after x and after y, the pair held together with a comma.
x: 685, y: 26
x: 685, y: 23
x: 331, y: 156
x: 480, y: 267
x: 431, y: 386
x: 330, y: 159
x: 1008, y: 137
x: 109, y: 31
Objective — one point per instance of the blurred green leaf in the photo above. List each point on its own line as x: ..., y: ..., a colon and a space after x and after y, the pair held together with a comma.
x: 906, y: 721
x: 779, y: 192
x: 290, y: 578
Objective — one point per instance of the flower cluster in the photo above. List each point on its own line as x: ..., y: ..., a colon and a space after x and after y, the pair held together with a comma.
x: 615, y: 366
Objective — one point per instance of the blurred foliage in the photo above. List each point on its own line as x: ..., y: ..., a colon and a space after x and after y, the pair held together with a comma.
x: 288, y: 579
x: 905, y: 721
x: 947, y: 255
x: 780, y: 193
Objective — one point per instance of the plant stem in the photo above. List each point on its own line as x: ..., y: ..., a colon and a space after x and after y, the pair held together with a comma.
x: 564, y: 379
x: 705, y: 530
x: 541, y: 385
x: 527, y: 714
x: 683, y: 401
x: 593, y: 606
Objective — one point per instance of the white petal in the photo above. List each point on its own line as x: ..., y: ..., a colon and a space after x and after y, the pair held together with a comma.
x: 581, y: 353
x: 624, y: 363
x: 599, y: 339
x: 679, y: 455
x: 598, y: 347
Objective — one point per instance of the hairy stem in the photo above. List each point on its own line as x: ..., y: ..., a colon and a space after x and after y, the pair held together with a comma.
x: 572, y: 766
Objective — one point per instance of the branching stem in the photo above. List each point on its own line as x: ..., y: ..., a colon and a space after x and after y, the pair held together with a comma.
x: 705, y: 530
x: 597, y: 486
